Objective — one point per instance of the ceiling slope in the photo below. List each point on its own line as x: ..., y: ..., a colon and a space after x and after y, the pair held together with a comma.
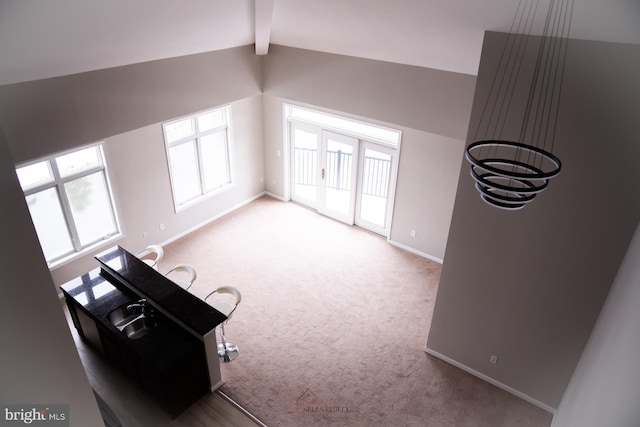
x: 40, y: 38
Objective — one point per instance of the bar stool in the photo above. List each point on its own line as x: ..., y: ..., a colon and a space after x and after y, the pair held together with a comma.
x: 225, y: 299
x: 151, y: 255
x: 182, y: 275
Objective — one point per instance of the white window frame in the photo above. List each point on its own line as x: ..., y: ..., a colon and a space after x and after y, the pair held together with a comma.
x: 196, y: 137
x: 378, y: 134
x: 58, y: 182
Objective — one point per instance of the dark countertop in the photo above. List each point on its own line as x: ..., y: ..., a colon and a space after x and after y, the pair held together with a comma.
x: 128, y: 270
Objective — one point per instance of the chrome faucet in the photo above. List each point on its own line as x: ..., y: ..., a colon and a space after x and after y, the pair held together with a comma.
x: 140, y: 303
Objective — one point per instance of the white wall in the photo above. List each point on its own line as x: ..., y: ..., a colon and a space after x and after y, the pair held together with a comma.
x: 528, y: 285
x: 273, y: 139
x: 32, y: 323
x: 605, y: 386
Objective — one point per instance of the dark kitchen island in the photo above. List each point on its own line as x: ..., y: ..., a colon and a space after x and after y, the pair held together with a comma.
x: 157, y: 333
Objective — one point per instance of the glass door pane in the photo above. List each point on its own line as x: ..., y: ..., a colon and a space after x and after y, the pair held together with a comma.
x: 374, y: 207
x: 338, y: 174
x: 305, y: 147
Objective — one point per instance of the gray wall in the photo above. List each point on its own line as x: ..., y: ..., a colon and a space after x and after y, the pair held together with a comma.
x: 430, y: 107
x: 124, y: 106
x: 605, y: 386
x: 528, y: 285
x: 46, y: 116
x: 430, y: 100
x: 33, y: 322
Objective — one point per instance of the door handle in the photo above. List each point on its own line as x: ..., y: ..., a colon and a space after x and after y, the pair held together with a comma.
x: 322, y: 173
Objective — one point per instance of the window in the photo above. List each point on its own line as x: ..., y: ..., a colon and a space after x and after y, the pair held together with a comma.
x: 371, y: 132
x: 199, y: 155
x: 70, y: 202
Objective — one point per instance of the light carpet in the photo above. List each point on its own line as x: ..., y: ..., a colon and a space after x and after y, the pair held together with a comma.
x: 333, y: 324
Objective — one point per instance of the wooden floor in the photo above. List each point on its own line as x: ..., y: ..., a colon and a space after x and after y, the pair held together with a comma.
x: 134, y: 409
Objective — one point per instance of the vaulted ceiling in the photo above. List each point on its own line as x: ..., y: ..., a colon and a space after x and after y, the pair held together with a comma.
x: 48, y: 38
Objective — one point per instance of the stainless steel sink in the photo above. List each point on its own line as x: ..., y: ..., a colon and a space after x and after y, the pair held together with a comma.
x: 121, y: 316
x: 133, y: 319
x: 138, y: 328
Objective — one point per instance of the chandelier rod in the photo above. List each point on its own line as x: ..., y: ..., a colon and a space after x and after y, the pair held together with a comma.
x: 541, y: 86
x: 502, y: 68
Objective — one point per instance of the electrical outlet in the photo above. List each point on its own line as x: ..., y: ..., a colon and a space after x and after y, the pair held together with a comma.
x: 493, y: 359
x: 161, y: 226
x: 145, y: 234
x: 413, y: 233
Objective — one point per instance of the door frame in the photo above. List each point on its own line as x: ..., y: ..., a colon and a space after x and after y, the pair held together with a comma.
x: 291, y: 123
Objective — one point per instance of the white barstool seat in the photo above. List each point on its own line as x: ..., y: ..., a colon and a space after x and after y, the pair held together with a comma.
x: 225, y: 299
x: 151, y: 255
x: 182, y: 275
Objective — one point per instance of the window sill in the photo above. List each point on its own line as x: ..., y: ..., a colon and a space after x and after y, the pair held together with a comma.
x: 77, y: 255
x: 187, y: 205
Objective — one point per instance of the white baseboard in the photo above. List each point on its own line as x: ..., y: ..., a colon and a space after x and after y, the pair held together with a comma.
x: 414, y: 251
x: 490, y: 380
x: 275, y: 196
x: 219, y: 215
x: 196, y: 227
x: 216, y: 386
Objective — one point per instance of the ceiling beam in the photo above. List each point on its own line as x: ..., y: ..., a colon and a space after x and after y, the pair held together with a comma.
x: 263, y: 18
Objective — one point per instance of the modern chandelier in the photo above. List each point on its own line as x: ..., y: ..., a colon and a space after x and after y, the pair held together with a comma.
x: 509, y: 174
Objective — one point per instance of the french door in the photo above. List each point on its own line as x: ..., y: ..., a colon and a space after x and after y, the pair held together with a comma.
x: 342, y: 177
x: 375, y: 187
x: 338, y: 172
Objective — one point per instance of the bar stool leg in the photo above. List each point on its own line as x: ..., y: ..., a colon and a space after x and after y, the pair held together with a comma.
x: 227, y: 351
